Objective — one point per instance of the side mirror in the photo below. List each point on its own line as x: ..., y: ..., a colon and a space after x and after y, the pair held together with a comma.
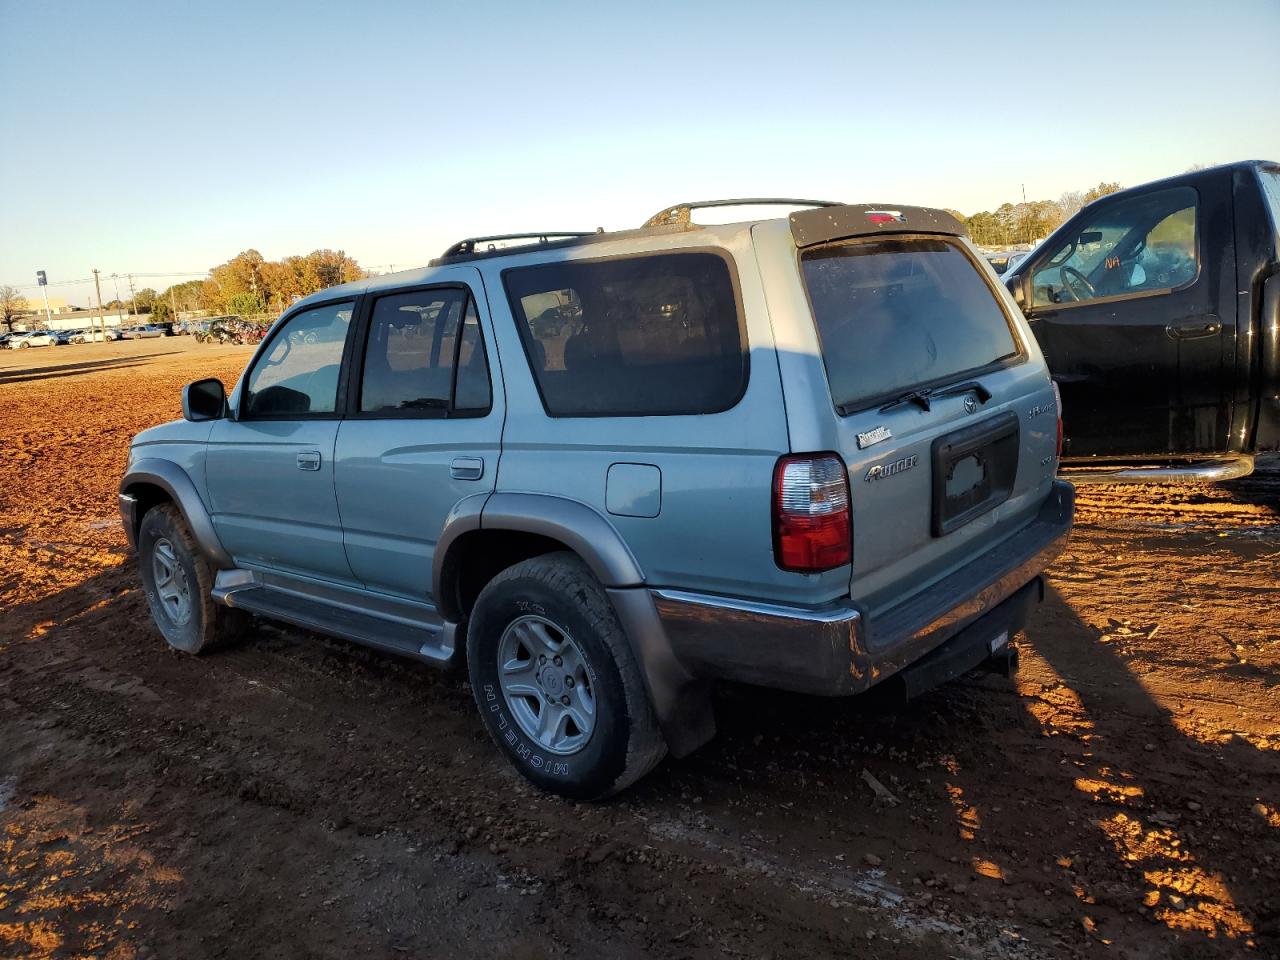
x: 1019, y: 293
x: 204, y: 400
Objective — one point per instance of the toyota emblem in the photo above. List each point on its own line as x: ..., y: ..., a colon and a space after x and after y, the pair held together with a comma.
x: 970, y: 405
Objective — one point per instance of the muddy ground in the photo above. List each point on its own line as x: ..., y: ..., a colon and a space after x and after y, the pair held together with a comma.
x: 302, y: 797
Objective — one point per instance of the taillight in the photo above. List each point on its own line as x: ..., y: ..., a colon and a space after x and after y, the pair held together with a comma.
x: 811, y: 525
x: 1057, y: 402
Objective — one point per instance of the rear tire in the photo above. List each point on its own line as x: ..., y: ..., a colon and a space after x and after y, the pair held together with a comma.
x: 556, y: 683
x: 178, y: 582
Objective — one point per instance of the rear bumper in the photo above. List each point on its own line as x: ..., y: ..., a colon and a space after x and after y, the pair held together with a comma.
x: 834, y: 650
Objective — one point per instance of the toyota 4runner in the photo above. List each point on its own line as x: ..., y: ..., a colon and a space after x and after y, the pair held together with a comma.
x: 815, y: 453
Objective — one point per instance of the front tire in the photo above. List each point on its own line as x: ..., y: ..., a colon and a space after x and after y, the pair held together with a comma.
x: 178, y: 582
x: 556, y: 683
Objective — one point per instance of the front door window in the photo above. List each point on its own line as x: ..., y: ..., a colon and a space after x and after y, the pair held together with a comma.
x: 1130, y: 246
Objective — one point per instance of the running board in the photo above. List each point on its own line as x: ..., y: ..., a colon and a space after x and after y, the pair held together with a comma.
x: 1200, y: 471
x: 432, y: 643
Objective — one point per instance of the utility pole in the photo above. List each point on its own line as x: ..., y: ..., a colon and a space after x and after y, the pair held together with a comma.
x: 115, y: 278
x: 173, y: 303
x: 133, y: 299
x: 101, y: 319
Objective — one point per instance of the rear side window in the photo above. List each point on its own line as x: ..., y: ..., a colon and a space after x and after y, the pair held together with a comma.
x: 898, y: 313
x: 414, y: 349
x: 635, y: 336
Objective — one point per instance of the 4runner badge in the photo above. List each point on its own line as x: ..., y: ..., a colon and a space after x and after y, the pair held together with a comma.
x: 877, y: 435
x: 882, y: 470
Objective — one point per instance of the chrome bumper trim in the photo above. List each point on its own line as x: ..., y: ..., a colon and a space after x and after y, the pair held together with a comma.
x: 1203, y: 471
x: 833, y: 649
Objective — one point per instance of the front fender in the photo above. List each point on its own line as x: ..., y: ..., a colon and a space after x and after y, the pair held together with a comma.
x: 174, y: 481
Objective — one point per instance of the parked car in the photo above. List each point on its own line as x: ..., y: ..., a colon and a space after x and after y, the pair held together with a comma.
x: 814, y: 453
x: 1002, y: 263
x: 30, y: 338
x: 61, y: 337
x: 142, y: 331
x: 90, y: 336
x: 1158, y: 310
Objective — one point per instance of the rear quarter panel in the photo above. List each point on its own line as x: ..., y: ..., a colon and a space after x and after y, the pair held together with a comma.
x: 713, y: 531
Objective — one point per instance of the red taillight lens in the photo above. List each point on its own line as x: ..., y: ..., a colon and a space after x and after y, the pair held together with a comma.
x: 1057, y: 400
x: 811, y: 525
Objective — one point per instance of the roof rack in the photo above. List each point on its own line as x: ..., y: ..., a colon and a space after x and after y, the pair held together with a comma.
x: 468, y: 246
x: 680, y: 214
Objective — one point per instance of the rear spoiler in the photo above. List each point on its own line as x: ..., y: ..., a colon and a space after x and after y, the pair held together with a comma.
x: 810, y: 227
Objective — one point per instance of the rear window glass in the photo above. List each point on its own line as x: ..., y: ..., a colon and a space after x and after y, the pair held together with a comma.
x: 894, y: 314
x: 636, y: 336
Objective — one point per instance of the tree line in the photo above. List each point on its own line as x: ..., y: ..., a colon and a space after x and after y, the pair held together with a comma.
x: 1024, y: 223
x: 248, y: 284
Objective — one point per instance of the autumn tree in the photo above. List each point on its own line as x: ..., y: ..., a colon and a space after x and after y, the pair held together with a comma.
x: 1100, y: 191
x: 144, y: 300
x: 12, y: 303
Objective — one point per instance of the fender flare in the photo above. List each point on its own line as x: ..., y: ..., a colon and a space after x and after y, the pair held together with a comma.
x: 681, y: 702
x: 579, y: 527
x: 174, y: 481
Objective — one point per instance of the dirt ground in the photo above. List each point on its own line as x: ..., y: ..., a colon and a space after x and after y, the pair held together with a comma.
x: 303, y: 797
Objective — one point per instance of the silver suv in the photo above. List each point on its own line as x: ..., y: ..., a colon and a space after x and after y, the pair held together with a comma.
x: 815, y: 453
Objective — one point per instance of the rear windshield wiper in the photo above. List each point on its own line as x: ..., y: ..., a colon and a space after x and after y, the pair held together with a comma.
x: 925, y: 397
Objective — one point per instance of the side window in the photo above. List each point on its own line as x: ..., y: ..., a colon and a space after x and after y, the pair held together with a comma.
x: 1130, y: 246
x: 298, y: 375
x: 414, y: 349
x: 632, y: 336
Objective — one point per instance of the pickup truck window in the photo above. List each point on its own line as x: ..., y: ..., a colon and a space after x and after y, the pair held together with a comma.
x: 1133, y: 245
x: 414, y: 349
x: 1270, y: 178
x: 298, y: 375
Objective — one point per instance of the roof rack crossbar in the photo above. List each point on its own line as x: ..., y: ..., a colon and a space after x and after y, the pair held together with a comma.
x: 469, y: 245
x: 681, y: 213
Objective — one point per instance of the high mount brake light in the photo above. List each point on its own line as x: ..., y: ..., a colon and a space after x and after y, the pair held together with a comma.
x: 812, y: 528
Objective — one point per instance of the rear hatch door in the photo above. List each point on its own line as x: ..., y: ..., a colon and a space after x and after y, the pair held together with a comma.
x: 933, y: 398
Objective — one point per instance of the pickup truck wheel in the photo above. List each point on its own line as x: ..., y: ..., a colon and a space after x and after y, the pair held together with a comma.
x: 178, y: 581
x: 556, y: 683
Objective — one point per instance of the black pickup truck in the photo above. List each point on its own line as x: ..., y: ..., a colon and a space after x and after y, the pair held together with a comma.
x: 1158, y: 310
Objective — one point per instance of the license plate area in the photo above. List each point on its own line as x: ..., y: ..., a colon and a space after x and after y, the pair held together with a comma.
x: 974, y: 471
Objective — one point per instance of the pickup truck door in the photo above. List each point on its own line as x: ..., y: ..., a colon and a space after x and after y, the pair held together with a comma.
x: 1133, y: 305
x: 423, y: 427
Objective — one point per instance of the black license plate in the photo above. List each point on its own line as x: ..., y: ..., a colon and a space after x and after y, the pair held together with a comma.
x: 974, y: 470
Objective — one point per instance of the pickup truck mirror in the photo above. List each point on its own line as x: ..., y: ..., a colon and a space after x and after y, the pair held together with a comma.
x: 204, y: 400
x: 1019, y: 295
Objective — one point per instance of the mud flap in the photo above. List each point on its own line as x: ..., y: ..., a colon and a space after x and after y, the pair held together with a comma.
x: 982, y: 644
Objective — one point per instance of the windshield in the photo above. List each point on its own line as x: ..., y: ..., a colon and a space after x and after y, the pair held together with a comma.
x: 898, y: 313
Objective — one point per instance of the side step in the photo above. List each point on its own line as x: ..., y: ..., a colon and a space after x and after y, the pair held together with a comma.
x: 431, y: 643
x: 1195, y: 471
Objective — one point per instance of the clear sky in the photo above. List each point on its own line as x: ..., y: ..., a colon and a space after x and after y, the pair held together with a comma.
x: 169, y: 136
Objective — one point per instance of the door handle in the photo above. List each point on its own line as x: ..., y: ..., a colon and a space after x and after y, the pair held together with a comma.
x: 466, y: 468
x: 310, y: 460
x: 1193, y: 328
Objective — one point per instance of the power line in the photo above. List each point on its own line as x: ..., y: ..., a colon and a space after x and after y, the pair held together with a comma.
x: 67, y: 283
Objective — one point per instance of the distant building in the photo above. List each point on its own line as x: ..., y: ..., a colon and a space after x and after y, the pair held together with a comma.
x: 69, y: 319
